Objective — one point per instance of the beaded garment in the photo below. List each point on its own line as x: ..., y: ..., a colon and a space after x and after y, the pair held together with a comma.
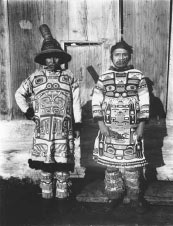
x: 121, y: 100
x: 55, y: 99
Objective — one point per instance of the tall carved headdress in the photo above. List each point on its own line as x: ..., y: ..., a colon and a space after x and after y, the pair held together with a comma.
x: 50, y: 47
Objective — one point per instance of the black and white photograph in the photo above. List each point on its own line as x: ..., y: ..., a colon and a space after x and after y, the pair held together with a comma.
x: 86, y: 112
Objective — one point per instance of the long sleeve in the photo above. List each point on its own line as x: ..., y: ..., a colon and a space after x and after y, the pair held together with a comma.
x: 144, y: 100
x: 97, y: 100
x: 22, y: 93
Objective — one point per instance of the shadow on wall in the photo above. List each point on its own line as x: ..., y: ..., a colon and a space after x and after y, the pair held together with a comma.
x: 88, y: 135
x: 156, y: 106
x: 154, y: 134
x: 87, y: 111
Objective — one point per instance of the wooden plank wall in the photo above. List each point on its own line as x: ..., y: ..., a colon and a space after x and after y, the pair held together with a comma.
x: 5, y: 79
x: 146, y: 28
x: 24, y: 20
x: 69, y: 20
x: 83, y: 57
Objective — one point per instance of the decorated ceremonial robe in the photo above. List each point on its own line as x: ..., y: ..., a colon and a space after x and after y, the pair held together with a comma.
x: 55, y: 100
x: 121, y: 100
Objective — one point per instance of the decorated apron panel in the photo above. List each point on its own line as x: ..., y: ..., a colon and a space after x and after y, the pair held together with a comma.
x: 119, y: 105
x: 53, y: 140
x: 51, y: 94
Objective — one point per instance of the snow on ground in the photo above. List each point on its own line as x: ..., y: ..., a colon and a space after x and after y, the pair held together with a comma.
x: 15, y: 145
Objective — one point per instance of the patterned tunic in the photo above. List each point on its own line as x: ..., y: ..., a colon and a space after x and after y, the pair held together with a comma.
x: 55, y: 99
x: 121, y: 100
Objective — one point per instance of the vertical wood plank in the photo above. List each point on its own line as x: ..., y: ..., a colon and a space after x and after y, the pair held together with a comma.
x: 24, y: 20
x: 93, y: 19
x: 55, y: 15
x: 170, y: 80
x: 78, y: 20
x: 96, y: 21
x: 146, y: 28
x: 110, y: 20
x: 82, y: 57
x: 110, y: 29
x: 5, y: 79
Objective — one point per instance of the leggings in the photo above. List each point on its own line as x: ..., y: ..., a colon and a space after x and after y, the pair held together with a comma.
x: 123, y: 181
x: 55, y: 184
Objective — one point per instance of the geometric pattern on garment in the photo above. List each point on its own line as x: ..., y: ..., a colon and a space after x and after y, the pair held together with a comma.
x: 131, y: 179
x: 51, y: 95
x: 53, y: 127
x: 117, y: 155
x: 63, y: 184
x: 50, y: 152
x: 114, y: 186
x: 121, y: 99
x: 122, y: 181
x: 46, y: 184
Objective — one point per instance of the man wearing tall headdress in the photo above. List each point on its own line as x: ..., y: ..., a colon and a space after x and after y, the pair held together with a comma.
x: 120, y: 105
x: 56, y: 110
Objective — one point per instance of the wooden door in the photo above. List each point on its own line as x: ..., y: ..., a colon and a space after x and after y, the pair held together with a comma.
x: 84, y: 56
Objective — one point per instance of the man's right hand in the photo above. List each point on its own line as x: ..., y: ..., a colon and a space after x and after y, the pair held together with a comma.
x: 103, y: 128
x: 30, y: 113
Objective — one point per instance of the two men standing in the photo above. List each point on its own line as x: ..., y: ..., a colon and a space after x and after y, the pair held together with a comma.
x: 120, y: 105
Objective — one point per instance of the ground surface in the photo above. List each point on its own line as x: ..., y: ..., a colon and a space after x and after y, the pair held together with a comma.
x: 21, y: 205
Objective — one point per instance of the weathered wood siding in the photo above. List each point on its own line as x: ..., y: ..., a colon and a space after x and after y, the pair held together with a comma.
x: 84, y: 57
x: 5, y: 89
x: 69, y: 20
x: 146, y: 28
x: 24, y: 20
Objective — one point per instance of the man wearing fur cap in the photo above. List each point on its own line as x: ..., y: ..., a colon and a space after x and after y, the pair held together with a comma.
x: 120, y: 105
x: 56, y: 111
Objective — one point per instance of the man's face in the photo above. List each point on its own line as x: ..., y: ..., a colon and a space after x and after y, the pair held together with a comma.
x: 120, y: 58
x: 52, y: 63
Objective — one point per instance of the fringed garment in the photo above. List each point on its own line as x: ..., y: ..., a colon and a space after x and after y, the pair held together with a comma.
x: 121, y: 100
x: 55, y: 98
